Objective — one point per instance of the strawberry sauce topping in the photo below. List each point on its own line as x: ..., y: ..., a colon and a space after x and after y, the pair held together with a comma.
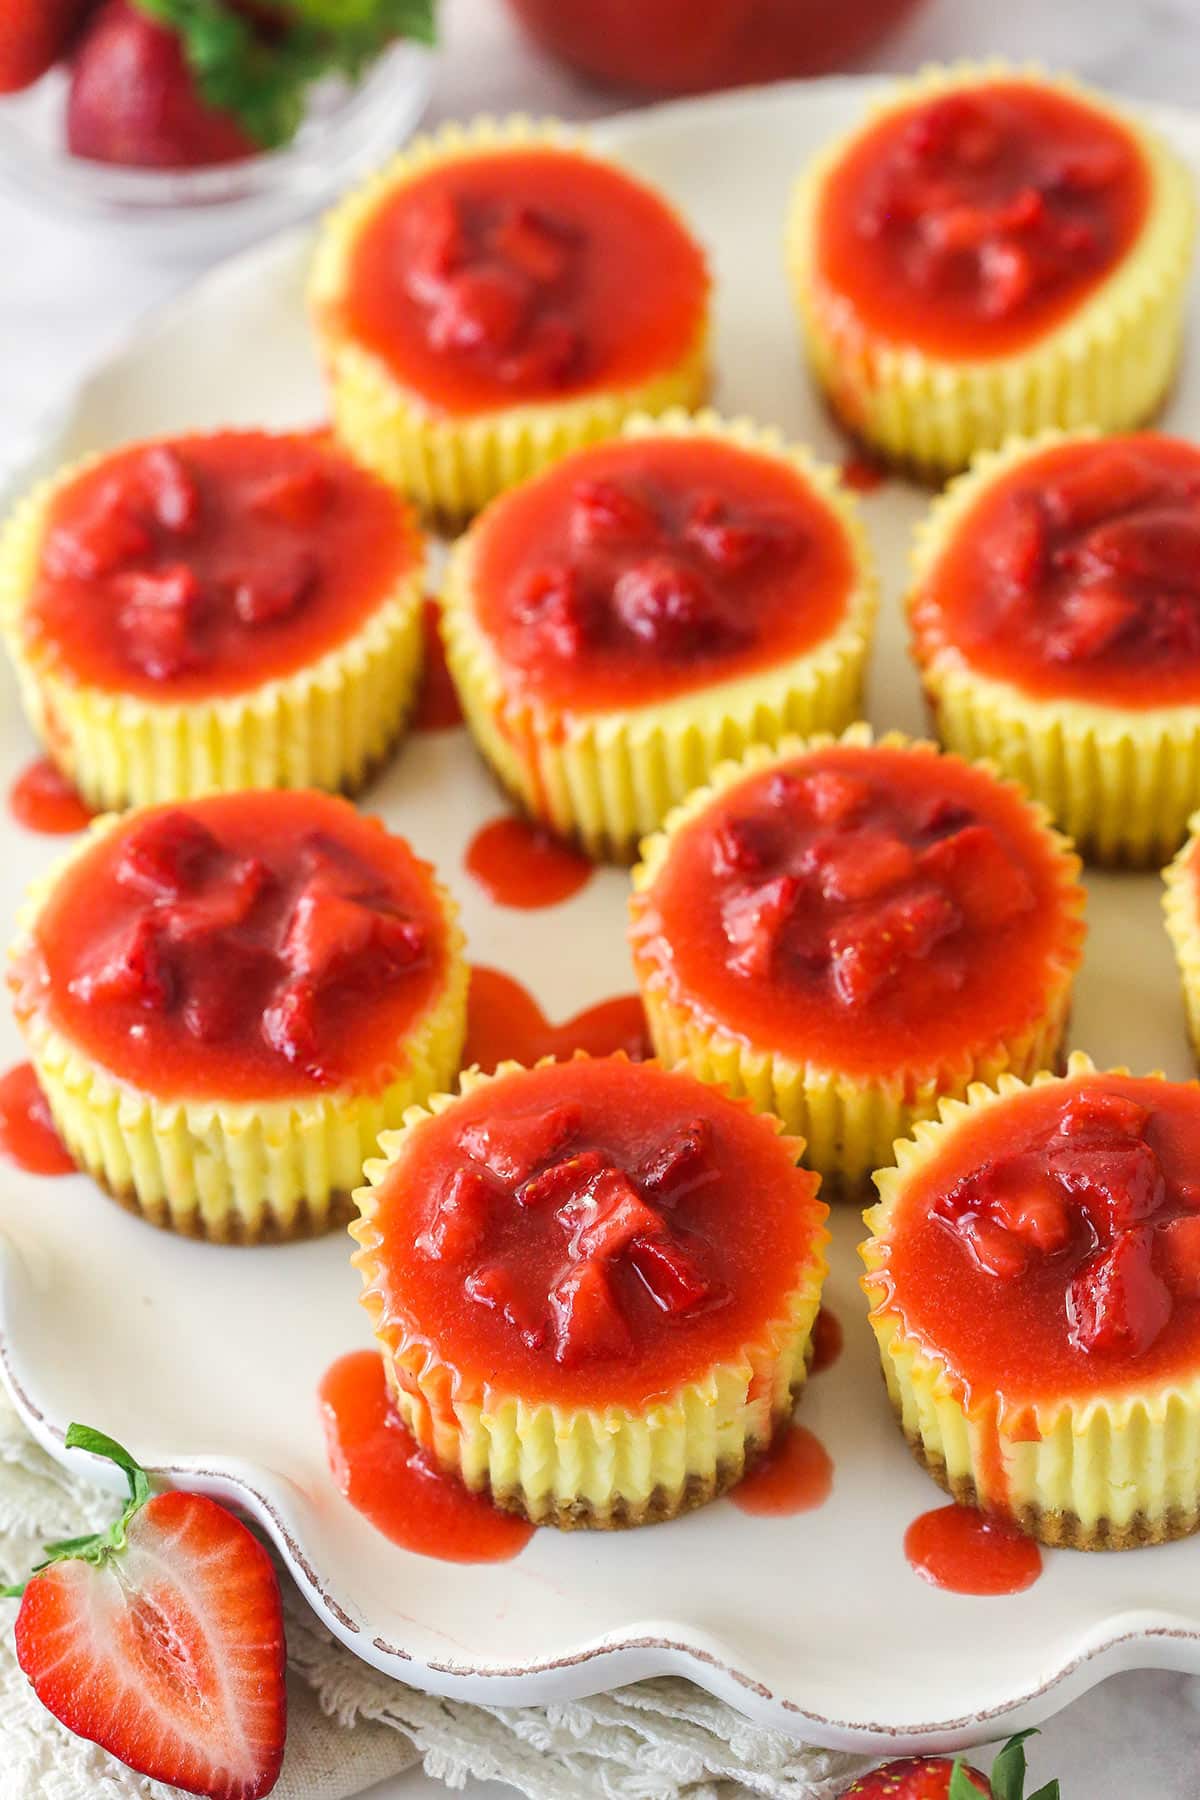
x: 593, y: 1231
x: 211, y: 564
x: 972, y: 222
x: 523, y: 274
x: 1078, y: 575
x: 859, y: 905
x: 641, y: 569
x: 244, y: 946
x: 1054, y: 1245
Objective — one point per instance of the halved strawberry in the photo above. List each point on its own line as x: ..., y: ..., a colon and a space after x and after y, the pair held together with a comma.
x: 513, y: 1148
x: 940, y: 1778
x: 130, y: 968
x: 985, y: 882
x: 1118, y: 1303
x: 161, y: 1639
x: 588, y: 1323
x: 34, y: 34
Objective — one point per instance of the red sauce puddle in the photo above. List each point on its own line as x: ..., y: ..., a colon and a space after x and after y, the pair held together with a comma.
x: 519, y: 864
x: 385, y: 1477
x: 437, y: 703
x: 794, y: 1476
x: 42, y: 799
x: 27, y: 1134
x: 965, y: 1552
x: 863, y: 473
x: 827, y: 1339
x: 505, y: 1021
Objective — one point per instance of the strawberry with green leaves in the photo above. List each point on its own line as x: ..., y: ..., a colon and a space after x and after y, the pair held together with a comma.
x: 939, y: 1778
x: 161, y: 1639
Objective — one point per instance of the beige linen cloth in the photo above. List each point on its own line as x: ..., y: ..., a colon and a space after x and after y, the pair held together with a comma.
x: 350, y: 1727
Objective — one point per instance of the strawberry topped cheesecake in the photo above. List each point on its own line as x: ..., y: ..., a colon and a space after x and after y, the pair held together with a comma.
x: 497, y: 296
x: 221, y: 610
x: 226, y: 1001
x: 845, y: 930
x: 991, y: 252
x: 620, y: 622
x: 594, y: 1285
x: 1034, y: 1274
x: 1055, y: 613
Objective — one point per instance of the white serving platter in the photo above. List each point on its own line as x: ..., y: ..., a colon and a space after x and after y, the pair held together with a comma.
x: 206, y: 1360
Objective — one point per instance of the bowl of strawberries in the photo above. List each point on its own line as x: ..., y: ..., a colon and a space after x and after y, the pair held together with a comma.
x: 202, y: 123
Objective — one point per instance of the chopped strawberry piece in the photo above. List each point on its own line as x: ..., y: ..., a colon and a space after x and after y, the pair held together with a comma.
x: 459, y: 1221
x: 513, y: 1149
x: 1007, y: 276
x: 110, y: 537
x: 1085, y: 167
x: 480, y: 308
x: 1188, y: 1194
x: 171, y: 490
x: 1118, y: 1303
x: 162, y: 617
x: 942, y: 817
x: 834, y: 798
x: 996, y: 1249
x: 754, y: 921
x: 222, y: 906
x: 168, y: 856
x: 1092, y: 1110
x: 744, y: 846
x: 293, y: 497
x: 131, y: 968
x: 552, y: 601
x: 1018, y: 555
x: 214, y: 989
x: 669, y: 608
x: 1159, y: 545
x: 277, y: 587
x: 562, y: 1182
x: 684, y: 1159
x: 604, y: 1219
x: 1098, y: 487
x: 496, y: 1289
x: 607, y: 512
x: 860, y: 865
x: 325, y: 932
x: 1038, y: 1217
x: 333, y: 868
x: 1118, y: 1187
x: 588, y: 1324
x: 437, y: 244
x: 548, y: 353
x: 870, y: 950
x: 674, y: 1278
x: 1179, y: 1256
x: 731, y: 543
x: 983, y: 880
x: 289, y: 1025
x: 532, y: 244
x: 952, y: 129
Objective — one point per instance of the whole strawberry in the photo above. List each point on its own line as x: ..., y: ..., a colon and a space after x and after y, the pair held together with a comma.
x: 939, y: 1778
x: 34, y: 34
x: 161, y: 1639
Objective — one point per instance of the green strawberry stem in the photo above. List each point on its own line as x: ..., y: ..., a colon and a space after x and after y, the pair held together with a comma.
x: 98, y: 1546
x: 260, y: 77
x: 1007, y: 1778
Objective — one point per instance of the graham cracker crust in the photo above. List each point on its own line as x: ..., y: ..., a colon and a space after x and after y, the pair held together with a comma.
x: 232, y: 1229
x: 623, y: 1515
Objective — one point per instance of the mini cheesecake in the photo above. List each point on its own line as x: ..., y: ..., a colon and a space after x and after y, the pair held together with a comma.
x: 846, y: 930
x: 227, y: 1001
x: 594, y: 1285
x: 1055, y: 615
x: 1034, y: 1275
x: 650, y: 605
x: 991, y: 252
x: 497, y: 296
x: 235, y: 609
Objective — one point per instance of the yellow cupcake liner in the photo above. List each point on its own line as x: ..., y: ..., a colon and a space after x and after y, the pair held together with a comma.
x: 1181, y: 904
x: 452, y: 465
x: 328, y: 725
x: 1098, y: 1473
x: 581, y: 1466
x: 1110, y: 364
x: 1121, y: 781
x: 849, y: 1122
x: 608, y: 778
x: 247, y: 1172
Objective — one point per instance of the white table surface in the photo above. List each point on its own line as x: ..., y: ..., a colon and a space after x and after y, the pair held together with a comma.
x: 1137, y: 1737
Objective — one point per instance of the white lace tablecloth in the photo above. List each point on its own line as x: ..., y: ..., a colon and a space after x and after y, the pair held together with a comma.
x: 62, y: 301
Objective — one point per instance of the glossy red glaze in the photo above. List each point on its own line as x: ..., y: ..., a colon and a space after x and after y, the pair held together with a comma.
x: 522, y: 274
x: 506, y: 1024
x: 863, y: 474
x: 827, y: 1340
x: 27, y: 1134
x: 971, y: 223
x: 859, y: 908
x: 1077, y: 576
x: 207, y: 565
x: 437, y: 704
x: 794, y: 1476
x: 965, y: 1552
x: 643, y: 568
x: 42, y: 799
x: 1051, y: 1249
x: 243, y: 946
x: 396, y: 1485
x: 592, y: 1233
x: 521, y: 865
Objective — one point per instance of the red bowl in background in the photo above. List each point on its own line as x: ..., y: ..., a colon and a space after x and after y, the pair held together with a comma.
x: 687, y: 46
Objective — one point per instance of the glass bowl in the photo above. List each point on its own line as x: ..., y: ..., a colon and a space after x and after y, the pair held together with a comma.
x: 347, y: 130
